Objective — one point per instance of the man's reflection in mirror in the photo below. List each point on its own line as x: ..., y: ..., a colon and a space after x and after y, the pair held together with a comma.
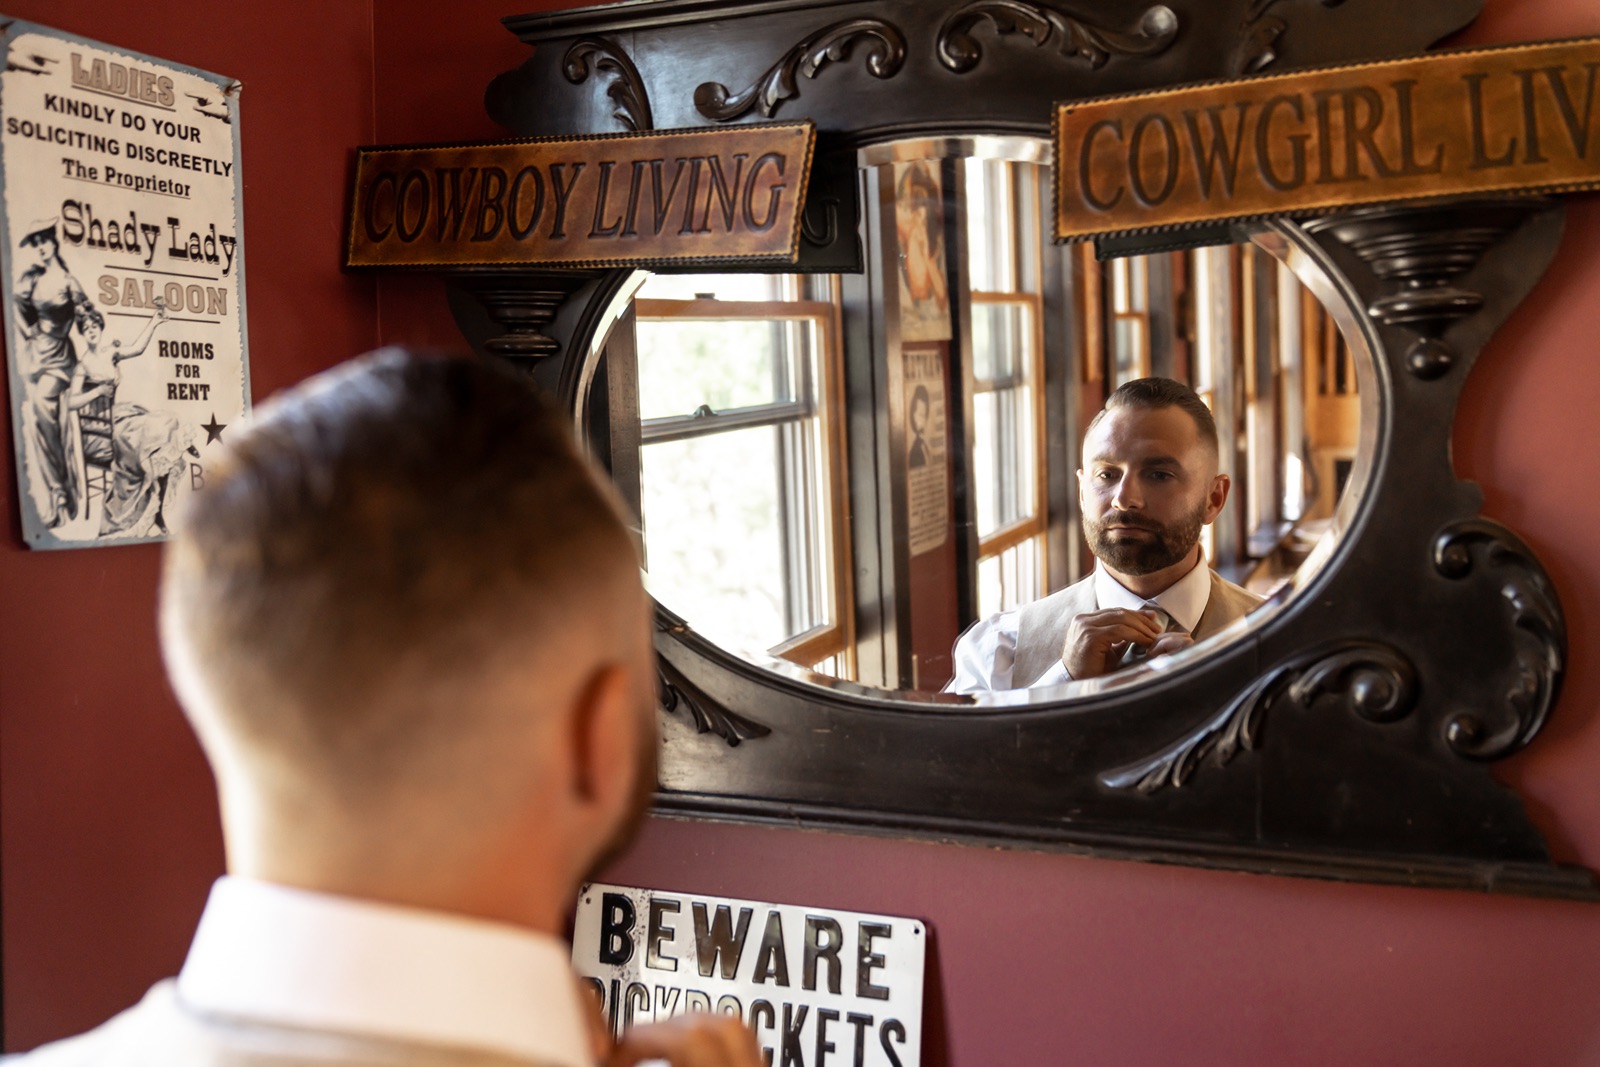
x: 1150, y: 482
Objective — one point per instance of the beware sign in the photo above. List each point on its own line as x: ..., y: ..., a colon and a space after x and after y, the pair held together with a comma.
x: 819, y: 987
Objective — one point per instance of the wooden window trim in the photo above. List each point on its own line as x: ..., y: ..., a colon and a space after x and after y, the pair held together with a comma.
x: 837, y: 638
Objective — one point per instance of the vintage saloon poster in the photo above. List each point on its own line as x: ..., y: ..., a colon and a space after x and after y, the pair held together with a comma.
x: 125, y: 322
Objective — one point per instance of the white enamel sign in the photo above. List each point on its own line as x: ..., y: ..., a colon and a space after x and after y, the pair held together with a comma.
x: 820, y: 987
x: 125, y: 327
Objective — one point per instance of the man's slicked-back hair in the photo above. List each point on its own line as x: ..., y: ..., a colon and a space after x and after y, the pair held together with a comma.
x: 1161, y: 393
x: 398, y: 515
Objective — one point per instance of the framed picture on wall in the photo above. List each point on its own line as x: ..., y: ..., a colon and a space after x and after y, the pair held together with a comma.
x: 120, y: 238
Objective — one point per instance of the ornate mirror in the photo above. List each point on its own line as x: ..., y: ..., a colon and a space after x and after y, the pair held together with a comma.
x: 841, y: 467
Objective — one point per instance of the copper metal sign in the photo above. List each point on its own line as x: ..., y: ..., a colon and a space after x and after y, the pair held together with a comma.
x: 1520, y: 118
x: 620, y: 200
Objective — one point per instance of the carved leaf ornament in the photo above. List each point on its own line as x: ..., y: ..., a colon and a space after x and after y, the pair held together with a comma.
x: 1074, y: 37
x: 886, y: 54
x: 1540, y: 637
x: 1376, y: 681
x: 708, y: 718
x: 1258, y: 38
x: 627, y: 89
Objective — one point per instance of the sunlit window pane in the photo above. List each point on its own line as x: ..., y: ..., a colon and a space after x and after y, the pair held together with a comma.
x: 1003, y: 457
x: 713, y: 534
x: 717, y: 287
x: 991, y: 594
x: 1002, y: 341
x: 1128, y: 346
x: 985, y: 472
x: 687, y: 363
x: 1009, y: 579
x: 1120, y: 286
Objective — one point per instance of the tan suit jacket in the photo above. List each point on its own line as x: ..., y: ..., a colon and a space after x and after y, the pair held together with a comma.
x: 160, y: 1032
x: 1042, y: 625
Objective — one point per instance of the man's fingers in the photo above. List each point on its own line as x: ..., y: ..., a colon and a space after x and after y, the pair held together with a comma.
x: 594, y: 1016
x: 1122, y: 620
x: 1168, y: 643
x: 1121, y: 630
x: 697, y: 1039
x: 1096, y: 640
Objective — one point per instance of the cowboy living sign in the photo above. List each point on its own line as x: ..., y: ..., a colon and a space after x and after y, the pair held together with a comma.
x: 682, y: 196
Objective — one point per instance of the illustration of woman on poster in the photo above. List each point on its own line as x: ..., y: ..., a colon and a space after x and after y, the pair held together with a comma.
x: 49, y: 300
x: 142, y: 450
x: 919, y: 222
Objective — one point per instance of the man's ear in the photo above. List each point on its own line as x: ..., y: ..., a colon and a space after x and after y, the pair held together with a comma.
x: 1217, y: 497
x: 604, y: 742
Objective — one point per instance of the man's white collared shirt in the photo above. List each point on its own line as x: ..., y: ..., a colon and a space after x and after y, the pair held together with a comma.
x: 986, y: 653
x: 290, y: 957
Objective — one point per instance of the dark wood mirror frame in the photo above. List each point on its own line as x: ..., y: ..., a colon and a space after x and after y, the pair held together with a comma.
x: 1351, y: 734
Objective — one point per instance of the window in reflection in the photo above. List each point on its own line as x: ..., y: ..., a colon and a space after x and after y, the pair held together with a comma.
x: 739, y: 494
x: 1004, y: 243
x: 1130, y: 319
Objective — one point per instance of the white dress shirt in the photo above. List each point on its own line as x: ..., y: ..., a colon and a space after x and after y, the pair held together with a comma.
x: 985, y: 654
x: 291, y: 957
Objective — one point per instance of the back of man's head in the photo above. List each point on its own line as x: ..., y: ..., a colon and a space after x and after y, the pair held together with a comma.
x: 398, y: 571
x: 1162, y: 393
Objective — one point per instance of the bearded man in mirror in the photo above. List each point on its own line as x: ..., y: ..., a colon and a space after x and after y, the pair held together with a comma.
x: 405, y: 619
x: 1149, y: 483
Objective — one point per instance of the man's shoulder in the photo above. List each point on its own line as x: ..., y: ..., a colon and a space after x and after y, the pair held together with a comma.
x: 1226, y: 604
x: 1236, y: 595
x: 160, y: 1032
x: 1073, y: 600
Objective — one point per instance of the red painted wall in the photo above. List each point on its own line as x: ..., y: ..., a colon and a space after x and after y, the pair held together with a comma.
x: 107, y: 838
x: 108, y: 830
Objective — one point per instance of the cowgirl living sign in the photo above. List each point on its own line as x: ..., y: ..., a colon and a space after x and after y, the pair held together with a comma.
x: 121, y: 245
x: 1512, y: 119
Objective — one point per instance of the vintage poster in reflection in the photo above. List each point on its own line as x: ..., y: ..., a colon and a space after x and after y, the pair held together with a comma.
x: 919, y: 221
x: 125, y: 333
x: 927, y: 468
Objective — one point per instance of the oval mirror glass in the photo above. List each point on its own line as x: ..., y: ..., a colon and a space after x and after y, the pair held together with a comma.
x: 868, y: 479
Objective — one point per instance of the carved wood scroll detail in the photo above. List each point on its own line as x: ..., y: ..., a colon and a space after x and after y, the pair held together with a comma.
x: 1073, y: 36
x: 1377, y: 683
x: 707, y: 716
x: 1258, y: 37
x: 627, y: 87
x: 1540, y: 637
x: 886, y: 54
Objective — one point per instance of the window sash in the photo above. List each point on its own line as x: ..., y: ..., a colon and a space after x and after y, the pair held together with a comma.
x: 811, y: 495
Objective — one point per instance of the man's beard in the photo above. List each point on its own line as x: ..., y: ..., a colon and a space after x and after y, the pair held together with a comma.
x: 1172, y: 543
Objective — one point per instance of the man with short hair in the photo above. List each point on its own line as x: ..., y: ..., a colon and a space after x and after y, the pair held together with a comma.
x: 1149, y: 483
x: 405, y: 619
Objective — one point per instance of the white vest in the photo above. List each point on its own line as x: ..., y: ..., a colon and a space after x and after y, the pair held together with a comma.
x: 1042, y: 625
